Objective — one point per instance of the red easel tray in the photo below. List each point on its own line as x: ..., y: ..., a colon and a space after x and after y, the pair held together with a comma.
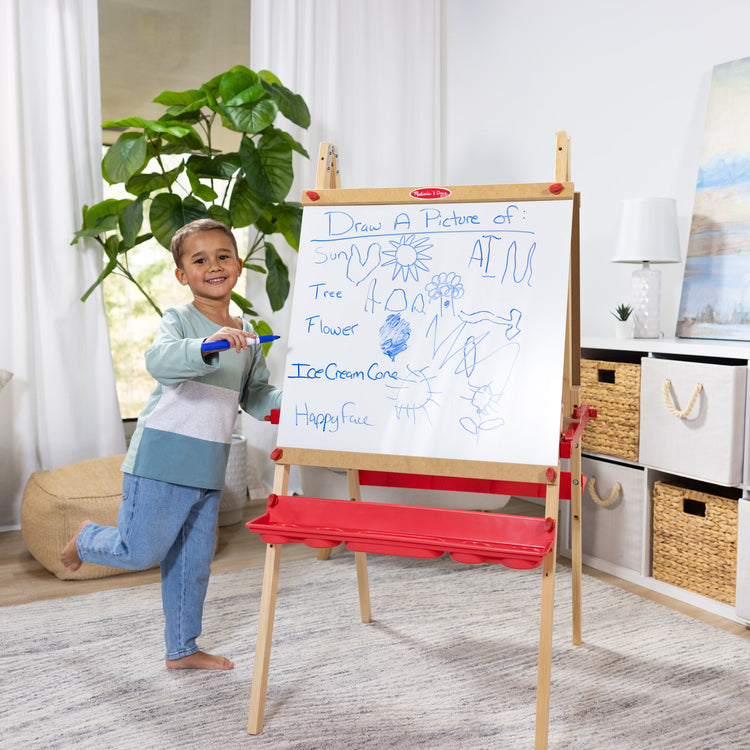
x: 406, y: 530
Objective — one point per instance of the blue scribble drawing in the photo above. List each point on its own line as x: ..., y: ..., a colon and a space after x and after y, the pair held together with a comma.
x: 454, y: 345
x: 484, y: 401
x: 394, y: 335
x: 414, y: 394
x: 528, y: 270
x: 359, y: 267
x: 485, y: 316
x: 408, y: 256
x: 493, y: 374
x: 418, y: 304
x: 445, y: 287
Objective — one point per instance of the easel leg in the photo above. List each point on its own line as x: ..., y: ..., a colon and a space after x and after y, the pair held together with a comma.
x: 576, y: 544
x: 545, y: 628
x: 265, y: 618
x: 263, y: 644
x: 363, y: 581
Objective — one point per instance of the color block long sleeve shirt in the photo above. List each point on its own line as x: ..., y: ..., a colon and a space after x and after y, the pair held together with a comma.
x: 184, y: 432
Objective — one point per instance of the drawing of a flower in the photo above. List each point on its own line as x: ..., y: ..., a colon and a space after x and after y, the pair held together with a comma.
x: 445, y: 287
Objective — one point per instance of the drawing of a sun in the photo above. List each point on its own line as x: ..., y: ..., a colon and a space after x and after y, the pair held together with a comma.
x: 413, y: 394
x: 408, y: 256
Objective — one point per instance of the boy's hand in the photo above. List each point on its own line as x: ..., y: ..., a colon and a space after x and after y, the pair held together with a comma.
x: 237, y: 338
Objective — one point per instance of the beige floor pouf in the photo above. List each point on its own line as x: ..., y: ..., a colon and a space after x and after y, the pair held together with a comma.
x: 55, y: 502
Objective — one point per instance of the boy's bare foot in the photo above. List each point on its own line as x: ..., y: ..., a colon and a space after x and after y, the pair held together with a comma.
x: 69, y: 555
x: 200, y: 660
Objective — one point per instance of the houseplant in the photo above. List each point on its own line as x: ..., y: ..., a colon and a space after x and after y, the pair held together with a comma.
x: 624, y: 325
x: 243, y: 188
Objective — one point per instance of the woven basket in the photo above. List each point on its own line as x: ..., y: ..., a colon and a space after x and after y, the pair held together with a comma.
x: 614, y: 390
x: 693, y: 551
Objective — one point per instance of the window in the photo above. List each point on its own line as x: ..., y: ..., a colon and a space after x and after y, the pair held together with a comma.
x: 146, y: 49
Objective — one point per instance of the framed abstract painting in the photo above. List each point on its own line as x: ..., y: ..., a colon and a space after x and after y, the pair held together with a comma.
x: 715, y: 301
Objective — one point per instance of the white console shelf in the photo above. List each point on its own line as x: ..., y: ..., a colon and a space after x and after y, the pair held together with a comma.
x: 631, y: 530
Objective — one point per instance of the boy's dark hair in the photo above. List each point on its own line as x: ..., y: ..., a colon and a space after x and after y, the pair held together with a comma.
x: 195, y: 227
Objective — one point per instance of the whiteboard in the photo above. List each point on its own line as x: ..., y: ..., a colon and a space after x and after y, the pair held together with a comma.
x: 430, y: 330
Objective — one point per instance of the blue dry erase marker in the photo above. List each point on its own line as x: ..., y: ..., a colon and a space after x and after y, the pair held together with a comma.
x: 215, y: 346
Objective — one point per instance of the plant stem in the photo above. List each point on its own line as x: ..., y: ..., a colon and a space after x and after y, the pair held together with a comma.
x: 126, y: 273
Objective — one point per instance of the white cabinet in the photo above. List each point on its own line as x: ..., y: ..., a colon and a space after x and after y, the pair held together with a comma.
x: 709, y: 442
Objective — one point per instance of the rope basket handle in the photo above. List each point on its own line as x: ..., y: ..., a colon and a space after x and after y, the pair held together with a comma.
x: 691, y: 403
x: 595, y: 497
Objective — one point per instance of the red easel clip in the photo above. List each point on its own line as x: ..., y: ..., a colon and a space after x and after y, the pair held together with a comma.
x: 276, y: 454
x: 556, y: 188
x: 312, y: 195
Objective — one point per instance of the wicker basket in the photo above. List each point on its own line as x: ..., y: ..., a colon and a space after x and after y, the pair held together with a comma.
x: 695, y: 541
x: 614, y: 390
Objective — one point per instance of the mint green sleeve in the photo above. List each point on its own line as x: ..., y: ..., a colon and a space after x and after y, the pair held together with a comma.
x: 258, y: 396
x: 172, y: 357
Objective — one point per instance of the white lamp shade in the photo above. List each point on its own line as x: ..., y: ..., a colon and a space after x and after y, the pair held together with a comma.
x: 648, y: 231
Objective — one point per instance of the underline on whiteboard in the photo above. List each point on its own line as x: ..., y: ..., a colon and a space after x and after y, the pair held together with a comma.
x: 426, y: 231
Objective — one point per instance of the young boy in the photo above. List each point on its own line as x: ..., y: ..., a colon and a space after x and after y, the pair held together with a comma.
x: 174, y: 470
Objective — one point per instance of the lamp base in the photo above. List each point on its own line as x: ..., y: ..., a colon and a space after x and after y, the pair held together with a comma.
x: 646, y: 290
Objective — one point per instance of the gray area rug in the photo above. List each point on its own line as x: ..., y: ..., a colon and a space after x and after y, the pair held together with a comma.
x: 448, y: 662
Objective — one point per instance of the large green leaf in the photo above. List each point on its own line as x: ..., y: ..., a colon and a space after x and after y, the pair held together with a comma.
x: 147, y: 182
x: 282, y: 141
x: 251, y: 118
x: 219, y: 213
x: 291, y: 105
x: 277, y: 281
x: 285, y: 218
x: 172, y: 127
x: 99, y: 218
x: 235, y: 81
x: 191, y: 141
x: 200, y: 190
x: 221, y: 166
x: 131, y: 221
x: 244, y: 205
x: 246, y: 96
x: 268, y: 76
x: 189, y: 98
x: 268, y: 171
x: 169, y: 212
x: 94, y: 215
x: 125, y: 157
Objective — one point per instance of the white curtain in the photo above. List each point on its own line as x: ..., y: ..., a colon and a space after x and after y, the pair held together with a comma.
x: 371, y: 74
x: 61, y: 405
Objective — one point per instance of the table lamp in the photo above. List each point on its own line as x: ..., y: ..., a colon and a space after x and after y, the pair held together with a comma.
x: 647, y: 234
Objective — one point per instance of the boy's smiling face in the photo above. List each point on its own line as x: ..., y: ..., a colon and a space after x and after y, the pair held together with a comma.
x: 209, y: 265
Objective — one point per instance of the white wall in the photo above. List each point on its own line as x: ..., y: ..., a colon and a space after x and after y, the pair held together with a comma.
x: 628, y: 81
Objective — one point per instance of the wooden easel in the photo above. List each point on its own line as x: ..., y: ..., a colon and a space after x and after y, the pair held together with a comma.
x: 539, y: 536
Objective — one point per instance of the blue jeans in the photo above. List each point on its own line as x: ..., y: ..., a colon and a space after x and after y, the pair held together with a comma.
x: 168, y: 524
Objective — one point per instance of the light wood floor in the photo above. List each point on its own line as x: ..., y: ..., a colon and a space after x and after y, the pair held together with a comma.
x: 23, y: 579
